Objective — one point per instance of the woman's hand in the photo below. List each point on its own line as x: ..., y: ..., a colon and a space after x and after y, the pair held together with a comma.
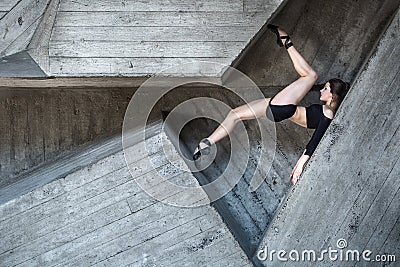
x: 296, y: 172
x: 298, y: 169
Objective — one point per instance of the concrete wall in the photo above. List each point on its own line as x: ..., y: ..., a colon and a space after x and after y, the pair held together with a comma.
x: 130, y: 38
x: 350, y: 188
x: 141, y: 38
x: 250, y: 214
x: 19, y: 24
x: 100, y: 216
x: 335, y: 37
x: 74, y: 123
x: 6, y: 6
x: 39, y: 125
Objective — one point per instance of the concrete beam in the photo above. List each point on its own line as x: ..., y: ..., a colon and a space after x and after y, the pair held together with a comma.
x: 18, y: 25
x: 100, y: 82
x: 39, y: 45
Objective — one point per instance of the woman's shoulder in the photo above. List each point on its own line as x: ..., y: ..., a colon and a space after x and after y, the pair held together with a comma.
x: 320, y: 110
x: 327, y: 112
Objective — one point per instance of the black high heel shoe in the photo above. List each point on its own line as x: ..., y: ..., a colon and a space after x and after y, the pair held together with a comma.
x: 279, y: 38
x: 202, y: 151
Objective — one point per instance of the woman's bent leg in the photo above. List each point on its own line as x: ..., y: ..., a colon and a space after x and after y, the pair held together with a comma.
x: 252, y: 110
x: 296, y: 91
x: 299, y: 63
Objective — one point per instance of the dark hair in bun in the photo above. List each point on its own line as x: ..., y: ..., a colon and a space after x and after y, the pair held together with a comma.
x: 339, y: 90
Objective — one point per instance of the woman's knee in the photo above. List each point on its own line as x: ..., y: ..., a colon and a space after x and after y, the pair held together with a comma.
x: 234, y: 114
x: 313, y: 75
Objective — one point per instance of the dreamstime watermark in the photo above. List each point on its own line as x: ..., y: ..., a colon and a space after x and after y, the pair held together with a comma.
x: 136, y: 144
x: 333, y: 254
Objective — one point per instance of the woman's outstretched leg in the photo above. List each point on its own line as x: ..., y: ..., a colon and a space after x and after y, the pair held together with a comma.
x: 252, y: 110
x: 295, y: 92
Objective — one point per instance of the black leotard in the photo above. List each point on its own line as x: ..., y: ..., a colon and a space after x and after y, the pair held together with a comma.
x: 315, y: 120
x: 278, y: 113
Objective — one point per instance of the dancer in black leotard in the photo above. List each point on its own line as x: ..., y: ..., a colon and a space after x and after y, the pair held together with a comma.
x: 283, y: 106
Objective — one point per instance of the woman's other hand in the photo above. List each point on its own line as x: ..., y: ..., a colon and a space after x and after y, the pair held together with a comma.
x: 296, y: 172
x: 298, y: 169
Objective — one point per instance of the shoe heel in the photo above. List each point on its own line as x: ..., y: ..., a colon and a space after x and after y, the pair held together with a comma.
x: 274, y: 29
x: 202, y: 151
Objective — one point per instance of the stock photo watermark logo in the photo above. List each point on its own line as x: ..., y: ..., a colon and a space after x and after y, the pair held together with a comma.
x: 135, y: 142
x: 338, y: 253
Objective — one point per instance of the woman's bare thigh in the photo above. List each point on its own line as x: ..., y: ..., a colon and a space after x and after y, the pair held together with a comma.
x: 294, y: 92
x: 252, y: 110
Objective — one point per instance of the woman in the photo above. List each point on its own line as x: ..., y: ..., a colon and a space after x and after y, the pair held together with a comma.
x: 283, y: 105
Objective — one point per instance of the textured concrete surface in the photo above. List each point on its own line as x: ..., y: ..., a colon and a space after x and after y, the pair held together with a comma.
x: 6, y: 6
x: 141, y: 38
x: 335, y: 37
x: 62, y: 166
x: 350, y: 188
x: 99, y: 216
x: 39, y: 126
x: 130, y: 38
x: 20, y: 65
x: 19, y: 24
x: 248, y: 215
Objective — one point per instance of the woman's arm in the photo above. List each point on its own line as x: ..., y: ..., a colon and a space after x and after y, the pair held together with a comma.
x: 298, y: 169
x: 317, y: 136
x: 310, y: 148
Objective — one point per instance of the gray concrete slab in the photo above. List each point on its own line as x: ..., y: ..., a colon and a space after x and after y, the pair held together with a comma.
x: 62, y: 166
x: 19, y: 24
x: 100, y: 216
x: 20, y: 65
x: 143, y: 38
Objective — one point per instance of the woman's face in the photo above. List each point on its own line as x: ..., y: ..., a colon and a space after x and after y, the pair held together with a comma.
x: 326, y: 94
